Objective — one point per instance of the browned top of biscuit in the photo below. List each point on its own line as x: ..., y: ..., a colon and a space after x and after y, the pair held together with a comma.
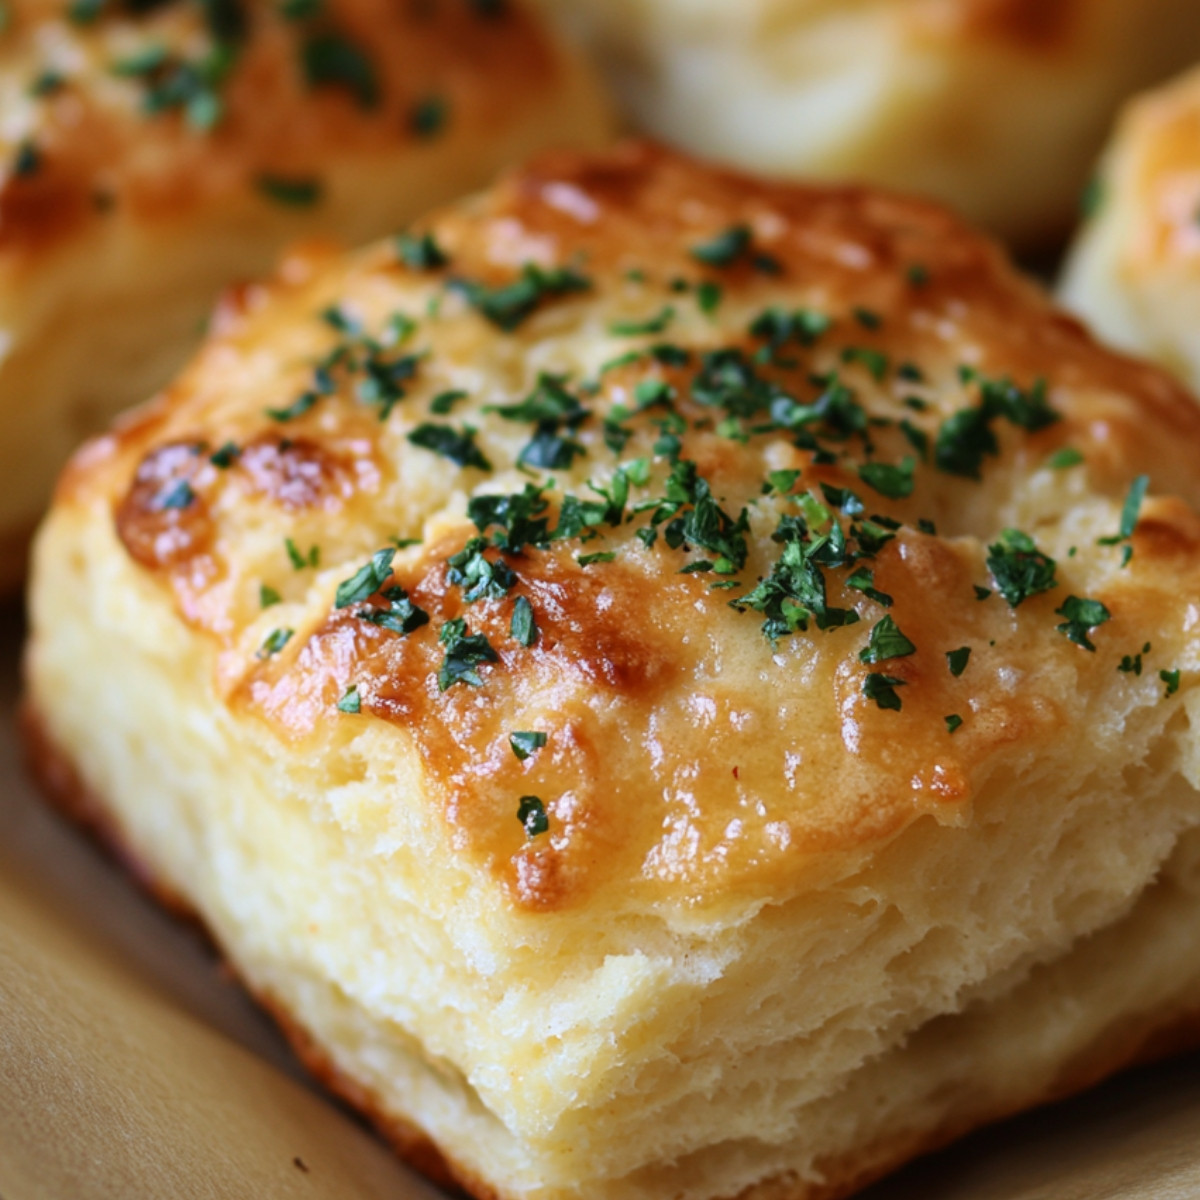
x: 775, y: 457
x: 159, y: 112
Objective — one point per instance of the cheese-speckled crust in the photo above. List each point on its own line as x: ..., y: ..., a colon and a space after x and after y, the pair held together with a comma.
x: 1134, y: 271
x: 791, y: 901
x: 151, y: 154
x: 995, y: 106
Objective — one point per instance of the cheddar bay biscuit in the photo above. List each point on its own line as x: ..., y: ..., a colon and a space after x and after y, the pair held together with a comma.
x: 1134, y: 271
x: 150, y: 154
x: 995, y: 106
x: 666, y: 684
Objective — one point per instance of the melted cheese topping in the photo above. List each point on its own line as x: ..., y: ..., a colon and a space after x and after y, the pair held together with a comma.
x: 689, y: 760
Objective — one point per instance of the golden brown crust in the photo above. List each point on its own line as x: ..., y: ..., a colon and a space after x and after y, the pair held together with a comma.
x: 99, y: 150
x: 617, y: 647
x: 1134, y: 1042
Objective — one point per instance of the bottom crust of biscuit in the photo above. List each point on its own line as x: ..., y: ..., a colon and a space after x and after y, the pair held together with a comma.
x: 1140, y: 1039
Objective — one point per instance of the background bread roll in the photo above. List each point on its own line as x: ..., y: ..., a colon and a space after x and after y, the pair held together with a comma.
x: 1134, y: 271
x: 995, y: 106
x: 148, y: 160
x: 667, y: 685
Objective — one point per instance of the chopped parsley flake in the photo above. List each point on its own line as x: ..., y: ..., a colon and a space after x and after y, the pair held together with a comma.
x: 298, y: 559
x: 464, y: 652
x: 524, y: 744
x: 444, y: 402
x: 428, y: 117
x: 267, y: 596
x: 601, y: 556
x: 274, y: 642
x: 1019, y: 569
x: 400, y: 616
x: 709, y: 296
x: 953, y: 722
x: 507, y: 305
x: 725, y: 248
x: 531, y: 812
x: 329, y: 59
x: 958, y: 659
x: 1081, y: 615
x: 523, y: 628
x: 456, y: 445
x: 420, y: 252
x: 518, y: 514
x: 1171, y: 679
x: 655, y: 324
x: 27, y: 160
x: 296, y: 191
x: 178, y: 494
x: 882, y: 689
x: 1129, y: 516
x: 886, y: 642
x: 479, y: 577
x: 1068, y: 456
x: 896, y: 482
x: 367, y: 580
x: 225, y: 456
x: 351, y: 701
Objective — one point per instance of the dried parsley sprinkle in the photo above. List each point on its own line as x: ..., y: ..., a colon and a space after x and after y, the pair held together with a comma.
x: 709, y: 296
x: 351, y: 701
x: 420, y: 252
x: 400, y: 616
x: 725, y: 248
x: 458, y: 445
x: 329, y: 59
x: 428, y: 116
x: 464, y: 652
x: 178, y: 494
x: 367, y: 580
x: 525, y: 743
x: 1131, y: 664
x: 225, y: 456
x: 1171, y: 679
x: 1082, y: 616
x: 886, y: 642
x: 882, y: 689
x: 274, y: 642
x: 531, y: 812
x: 478, y: 576
x: 300, y: 560
x: 294, y: 191
x: 1019, y: 569
x: 957, y: 660
x: 654, y: 324
x: 889, y: 480
x: 508, y: 305
x: 1068, y: 456
x: 523, y: 627
x: 27, y: 160
x: 444, y: 402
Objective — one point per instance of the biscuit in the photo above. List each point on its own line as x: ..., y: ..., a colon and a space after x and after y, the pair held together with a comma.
x: 997, y: 107
x: 666, y: 684
x: 1134, y: 270
x: 153, y: 153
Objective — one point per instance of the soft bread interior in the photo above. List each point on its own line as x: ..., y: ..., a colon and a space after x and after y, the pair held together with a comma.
x: 970, y: 968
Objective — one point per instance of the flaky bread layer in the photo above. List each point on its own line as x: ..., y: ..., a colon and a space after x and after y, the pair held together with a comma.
x: 629, y: 1055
